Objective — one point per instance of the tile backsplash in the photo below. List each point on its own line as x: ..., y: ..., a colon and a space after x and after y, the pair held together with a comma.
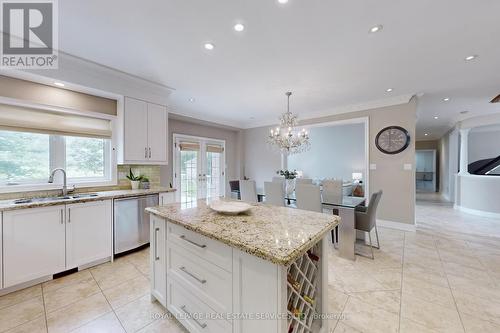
x: 152, y: 172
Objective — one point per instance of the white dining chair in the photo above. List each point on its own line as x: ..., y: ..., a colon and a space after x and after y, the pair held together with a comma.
x: 308, y: 197
x: 332, y: 191
x: 275, y: 193
x: 248, y: 190
x: 303, y: 181
x: 277, y: 179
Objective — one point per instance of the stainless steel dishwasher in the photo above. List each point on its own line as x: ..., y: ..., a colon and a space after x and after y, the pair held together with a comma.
x: 131, y: 222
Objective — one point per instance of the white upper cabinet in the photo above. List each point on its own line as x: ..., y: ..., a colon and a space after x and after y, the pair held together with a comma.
x: 33, y: 243
x: 157, y: 133
x: 145, y: 133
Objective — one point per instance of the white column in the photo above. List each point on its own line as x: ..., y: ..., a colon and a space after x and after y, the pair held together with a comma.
x: 464, y: 151
x: 284, y: 162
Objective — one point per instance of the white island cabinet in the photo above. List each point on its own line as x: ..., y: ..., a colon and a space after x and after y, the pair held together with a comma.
x: 261, y: 272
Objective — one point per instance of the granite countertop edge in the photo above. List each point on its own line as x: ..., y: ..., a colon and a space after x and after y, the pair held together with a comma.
x: 260, y: 253
x: 9, y: 205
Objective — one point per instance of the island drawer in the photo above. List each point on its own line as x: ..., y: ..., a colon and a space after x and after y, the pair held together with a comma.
x: 198, y: 245
x: 208, y: 281
x: 195, y: 315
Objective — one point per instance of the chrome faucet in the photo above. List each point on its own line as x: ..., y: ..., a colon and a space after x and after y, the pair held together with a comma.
x: 51, y: 180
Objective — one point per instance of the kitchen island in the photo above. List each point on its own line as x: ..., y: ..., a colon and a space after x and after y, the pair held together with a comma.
x: 263, y: 271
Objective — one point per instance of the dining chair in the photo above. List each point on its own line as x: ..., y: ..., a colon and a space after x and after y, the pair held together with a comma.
x: 275, y: 193
x: 332, y: 191
x: 308, y: 197
x: 365, y: 219
x: 303, y: 181
x: 248, y: 190
x: 278, y: 179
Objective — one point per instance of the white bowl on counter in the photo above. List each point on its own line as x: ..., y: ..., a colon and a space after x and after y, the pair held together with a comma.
x: 230, y: 207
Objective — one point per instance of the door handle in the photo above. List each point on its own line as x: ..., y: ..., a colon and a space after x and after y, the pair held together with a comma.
x: 157, y: 230
x: 201, y: 246
x: 202, y: 325
x: 62, y: 220
x: 145, y: 152
x: 69, y: 215
x: 149, y: 152
x: 202, y: 281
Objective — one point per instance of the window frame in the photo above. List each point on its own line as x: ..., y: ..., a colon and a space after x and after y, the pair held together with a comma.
x: 57, y: 158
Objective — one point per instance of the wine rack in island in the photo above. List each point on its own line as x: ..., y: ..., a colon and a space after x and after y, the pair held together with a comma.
x: 304, y: 292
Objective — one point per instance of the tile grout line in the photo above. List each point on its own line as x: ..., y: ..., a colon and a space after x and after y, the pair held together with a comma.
x: 112, y: 310
x: 44, y: 309
x: 451, y: 290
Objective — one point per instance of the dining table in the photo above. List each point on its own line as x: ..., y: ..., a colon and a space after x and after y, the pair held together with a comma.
x: 345, y: 207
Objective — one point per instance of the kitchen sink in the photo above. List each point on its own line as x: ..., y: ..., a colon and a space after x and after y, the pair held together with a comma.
x: 84, y: 195
x: 56, y: 198
x: 21, y: 201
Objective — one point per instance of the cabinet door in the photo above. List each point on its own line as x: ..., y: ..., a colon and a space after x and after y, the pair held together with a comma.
x: 88, y: 232
x: 157, y: 133
x: 33, y: 244
x: 167, y: 198
x: 157, y: 257
x: 135, y: 130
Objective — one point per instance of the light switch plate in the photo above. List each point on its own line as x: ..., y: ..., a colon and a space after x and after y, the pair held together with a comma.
x: 373, y: 166
x: 407, y: 166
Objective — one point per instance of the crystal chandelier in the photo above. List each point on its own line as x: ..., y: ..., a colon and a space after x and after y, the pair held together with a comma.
x: 285, y: 137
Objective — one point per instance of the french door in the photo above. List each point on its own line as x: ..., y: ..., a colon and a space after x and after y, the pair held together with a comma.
x: 199, y: 168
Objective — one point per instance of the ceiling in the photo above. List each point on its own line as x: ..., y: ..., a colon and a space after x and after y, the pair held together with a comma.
x: 320, y: 50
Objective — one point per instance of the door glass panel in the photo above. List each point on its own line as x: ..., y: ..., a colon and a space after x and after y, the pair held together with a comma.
x: 213, y: 174
x: 189, y: 175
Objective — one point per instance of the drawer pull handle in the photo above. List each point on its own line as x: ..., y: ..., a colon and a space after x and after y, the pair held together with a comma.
x: 183, y: 308
x: 157, y: 230
x: 202, y: 281
x: 191, y: 242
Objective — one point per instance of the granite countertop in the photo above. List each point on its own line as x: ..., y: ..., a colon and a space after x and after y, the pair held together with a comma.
x: 276, y: 234
x: 6, y: 205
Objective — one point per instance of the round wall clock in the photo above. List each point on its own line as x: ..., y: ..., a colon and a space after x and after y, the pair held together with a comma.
x: 392, y: 140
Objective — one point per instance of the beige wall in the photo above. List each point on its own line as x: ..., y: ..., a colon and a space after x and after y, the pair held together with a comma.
x: 189, y: 126
x: 43, y: 94
x: 398, y: 201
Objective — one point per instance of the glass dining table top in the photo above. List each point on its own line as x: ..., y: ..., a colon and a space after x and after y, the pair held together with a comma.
x: 344, y: 201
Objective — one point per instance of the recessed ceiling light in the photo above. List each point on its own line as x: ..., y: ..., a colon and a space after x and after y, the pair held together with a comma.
x: 191, y: 100
x: 389, y: 89
x: 282, y: 1
x: 209, y: 46
x: 471, y: 57
x: 59, y: 84
x: 239, y: 27
x: 426, y: 134
x: 376, y: 28
x: 446, y: 99
x: 436, y: 117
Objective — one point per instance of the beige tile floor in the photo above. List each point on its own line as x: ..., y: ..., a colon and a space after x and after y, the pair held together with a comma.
x: 443, y: 278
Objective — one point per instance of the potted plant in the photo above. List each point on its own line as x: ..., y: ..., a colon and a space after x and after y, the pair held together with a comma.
x: 290, y: 180
x: 135, y: 181
x: 145, y: 183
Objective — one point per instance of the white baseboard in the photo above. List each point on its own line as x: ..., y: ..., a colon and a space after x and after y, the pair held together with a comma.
x: 396, y: 225
x: 477, y: 212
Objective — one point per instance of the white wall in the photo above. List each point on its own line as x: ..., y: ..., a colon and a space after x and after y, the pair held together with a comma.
x: 483, y: 144
x: 260, y: 162
x: 336, y: 152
